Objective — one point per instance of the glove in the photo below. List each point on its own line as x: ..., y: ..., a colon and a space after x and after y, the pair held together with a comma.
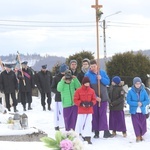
x: 20, y: 77
x: 1, y: 91
x: 111, y: 104
x: 90, y: 104
x: 40, y: 90
x: 84, y: 104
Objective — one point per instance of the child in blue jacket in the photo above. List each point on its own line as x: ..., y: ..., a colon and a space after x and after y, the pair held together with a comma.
x: 137, y: 98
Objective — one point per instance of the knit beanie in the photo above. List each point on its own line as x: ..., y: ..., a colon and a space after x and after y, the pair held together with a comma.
x: 116, y: 79
x: 86, y: 60
x: 136, y: 79
x: 85, y: 80
x: 63, y: 68
x: 73, y: 61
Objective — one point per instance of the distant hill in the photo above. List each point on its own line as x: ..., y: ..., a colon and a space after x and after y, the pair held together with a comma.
x: 36, y: 60
x: 51, y: 61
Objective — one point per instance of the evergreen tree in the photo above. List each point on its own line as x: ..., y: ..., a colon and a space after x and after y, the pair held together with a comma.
x: 79, y: 57
x: 128, y: 65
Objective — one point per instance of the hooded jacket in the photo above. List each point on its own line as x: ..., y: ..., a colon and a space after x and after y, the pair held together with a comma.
x: 84, y: 94
x: 132, y: 100
x: 67, y: 91
x: 103, y: 83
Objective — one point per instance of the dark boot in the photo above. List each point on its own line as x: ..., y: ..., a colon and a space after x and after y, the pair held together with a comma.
x: 0, y: 100
x: 88, y: 139
x: 24, y: 107
x: 124, y: 134
x: 29, y: 106
x: 15, y: 109
x: 8, y: 109
x: 96, y: 136
x: 49, y: 107
x: 57, y: 128
x: 44, y: 108
x: 107, y: 134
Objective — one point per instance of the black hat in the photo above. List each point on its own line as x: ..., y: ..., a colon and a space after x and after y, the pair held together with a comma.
x: 68, y: 74
x: 8, y: 65
x: 44, y: 66
x: 85, y: 80
x: 24, y: 63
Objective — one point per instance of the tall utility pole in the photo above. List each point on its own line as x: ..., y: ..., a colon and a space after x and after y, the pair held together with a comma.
x: 104, y: 34
x: 104, y: 39
x: 98, y: 16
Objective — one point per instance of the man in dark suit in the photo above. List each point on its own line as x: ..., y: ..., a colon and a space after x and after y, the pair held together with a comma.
x: 9, y: 85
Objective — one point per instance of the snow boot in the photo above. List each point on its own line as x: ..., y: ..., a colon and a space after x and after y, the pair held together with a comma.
x: 44, y: 108
x: 49, y: 107
x: 107, y: 134
x: 88, y: 139
x: 57, y: 128
x: 96, y: 136
x: 138, y: 138
x: 29, y: 106
x: 15, y: 109
x: 114, y: 133
x: 0, y: 100
x: 24, y: 107
x: 124, y: 134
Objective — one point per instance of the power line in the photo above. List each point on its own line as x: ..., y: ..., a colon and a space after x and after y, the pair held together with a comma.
x: 47, y: 26
x: 44, y: 21
x: 138, y: 24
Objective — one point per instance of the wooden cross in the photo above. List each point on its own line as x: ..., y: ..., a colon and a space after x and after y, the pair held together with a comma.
x: 98, y: 15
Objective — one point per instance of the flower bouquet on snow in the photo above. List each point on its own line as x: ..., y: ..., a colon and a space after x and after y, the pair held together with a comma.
x: 67, y: 140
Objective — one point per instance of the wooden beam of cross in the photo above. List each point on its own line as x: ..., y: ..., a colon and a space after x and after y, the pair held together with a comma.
x: 98, y: 15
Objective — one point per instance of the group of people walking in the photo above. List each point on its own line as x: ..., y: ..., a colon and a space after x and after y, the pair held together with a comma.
x: 91, y: 112
x: 21, y: 82
x: 81, y: 99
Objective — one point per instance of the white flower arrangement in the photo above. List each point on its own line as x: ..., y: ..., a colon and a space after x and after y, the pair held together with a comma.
x: 67, y: 140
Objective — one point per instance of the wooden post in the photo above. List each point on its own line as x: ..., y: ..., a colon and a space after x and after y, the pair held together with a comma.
x: 21, y: 68
x: 1, y: 64
x: 97, y: 8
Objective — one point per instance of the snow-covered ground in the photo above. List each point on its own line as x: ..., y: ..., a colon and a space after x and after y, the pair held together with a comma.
x: 44, y: 120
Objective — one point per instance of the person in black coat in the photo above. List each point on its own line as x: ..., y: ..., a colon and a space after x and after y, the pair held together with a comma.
x: 73, y: 67
x: 116, y: 106
x: 9, y: 85
x: 44, y: 81
x: 26, y: 83
x: 58, y: 111
x: 84, y: 69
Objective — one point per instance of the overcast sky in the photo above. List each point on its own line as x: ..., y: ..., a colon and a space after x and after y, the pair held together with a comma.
x: 64, y: 27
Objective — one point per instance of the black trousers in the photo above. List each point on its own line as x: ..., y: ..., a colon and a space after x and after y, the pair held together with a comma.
x: 26, y: 97
x: 43, y: 97
x: 7, y: 99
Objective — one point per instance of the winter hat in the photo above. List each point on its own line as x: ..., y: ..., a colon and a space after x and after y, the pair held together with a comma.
x: 24, y: 63
x: 8, y: 65
x: 63, y: 67
x: 86, y: 60
x: 116, y: 79
x: 68, y: 74
x: 44, y: 66
x: 85, y: 80
x: 136, y: 79
x: 73, y: 61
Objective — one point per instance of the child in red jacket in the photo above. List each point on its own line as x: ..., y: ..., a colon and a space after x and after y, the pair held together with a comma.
x: 85, y: 98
